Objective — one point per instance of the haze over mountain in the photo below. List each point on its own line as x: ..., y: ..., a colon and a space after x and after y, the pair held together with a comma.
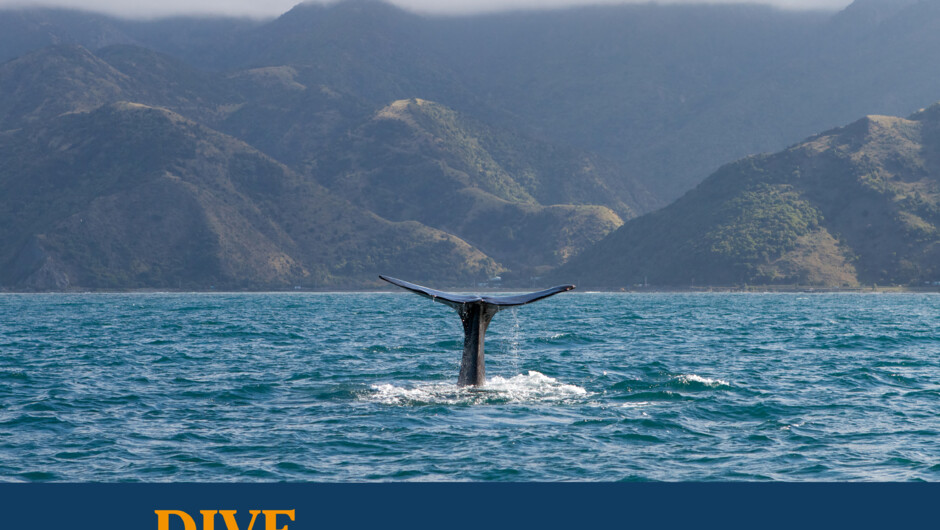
x: 272, y: 8
x: 671, y: 91
x: 518, y: 139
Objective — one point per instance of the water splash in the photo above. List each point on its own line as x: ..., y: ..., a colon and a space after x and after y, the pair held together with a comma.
x: 637, y: 404
x: 515, y: 335
x: 533, y: 387
x: 692, y: 379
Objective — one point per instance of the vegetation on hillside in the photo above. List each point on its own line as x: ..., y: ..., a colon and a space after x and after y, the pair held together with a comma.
x: 345, y: 139
x: 853, y: 205
x: 131, y: 196
x: 75, y: 158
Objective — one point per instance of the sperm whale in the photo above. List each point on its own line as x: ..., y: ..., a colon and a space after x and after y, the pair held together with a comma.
x: 475, y: 312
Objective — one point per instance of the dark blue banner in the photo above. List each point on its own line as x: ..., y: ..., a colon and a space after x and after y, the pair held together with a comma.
x: 474, y: 505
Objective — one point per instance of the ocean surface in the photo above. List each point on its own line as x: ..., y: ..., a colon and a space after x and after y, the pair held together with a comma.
x: 362, y: 387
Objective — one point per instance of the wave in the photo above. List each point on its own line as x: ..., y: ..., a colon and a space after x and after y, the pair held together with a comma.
x: 533, y: 387
x: 695, y: 380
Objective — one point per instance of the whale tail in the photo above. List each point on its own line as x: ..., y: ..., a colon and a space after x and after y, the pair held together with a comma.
x: 475, y: 312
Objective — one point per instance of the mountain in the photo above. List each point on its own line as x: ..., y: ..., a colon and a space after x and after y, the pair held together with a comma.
x: 670, y: 92
x: 134, y: 196
x: 527, y: 204
x: 68, y: 78
x: 522, y: 202
x: 855, y: 205
x: 26, y: 30
x: 165, y: 81
x: 521, y: 139
x: 675, y: 91
x: 369, y: 48
x: 656, y: 87
x: 55, y: 80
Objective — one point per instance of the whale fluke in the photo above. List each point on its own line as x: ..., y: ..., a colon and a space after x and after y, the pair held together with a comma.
x: 475, y: 312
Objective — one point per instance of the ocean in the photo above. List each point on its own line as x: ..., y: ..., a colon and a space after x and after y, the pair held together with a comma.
x: 362, y: 387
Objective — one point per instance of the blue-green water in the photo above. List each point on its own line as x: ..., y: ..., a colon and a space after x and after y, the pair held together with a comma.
x: 361, y: 387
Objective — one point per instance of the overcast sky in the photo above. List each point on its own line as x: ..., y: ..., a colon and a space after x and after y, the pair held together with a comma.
x: 269, y: 8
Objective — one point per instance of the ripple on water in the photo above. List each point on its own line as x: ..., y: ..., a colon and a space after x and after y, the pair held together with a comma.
x: 242, y: 387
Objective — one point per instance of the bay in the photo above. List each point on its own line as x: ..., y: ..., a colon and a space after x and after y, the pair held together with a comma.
x: 362, y: 387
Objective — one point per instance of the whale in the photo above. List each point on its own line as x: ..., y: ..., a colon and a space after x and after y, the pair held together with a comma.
x: 475, y: 312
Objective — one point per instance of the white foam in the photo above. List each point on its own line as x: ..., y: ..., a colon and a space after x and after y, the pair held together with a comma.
x: 533, y: 387
x: 636, y: 404
x: 692, y: 378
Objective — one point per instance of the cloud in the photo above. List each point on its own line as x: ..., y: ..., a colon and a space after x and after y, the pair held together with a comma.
x: 251, y: 8
x: 271, y: 8
x: 477, y: 6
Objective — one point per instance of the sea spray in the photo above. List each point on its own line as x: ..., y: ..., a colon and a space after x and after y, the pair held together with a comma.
x: 533, y: 387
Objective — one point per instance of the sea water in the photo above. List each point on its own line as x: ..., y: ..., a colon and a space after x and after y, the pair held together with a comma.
x: 362, y: 387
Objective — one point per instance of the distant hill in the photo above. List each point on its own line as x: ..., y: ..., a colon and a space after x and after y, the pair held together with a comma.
x: 520, y: 138
x: 311, y: 129
x: 858, y: 204
x: 133, y: 196
x: 522, y: 202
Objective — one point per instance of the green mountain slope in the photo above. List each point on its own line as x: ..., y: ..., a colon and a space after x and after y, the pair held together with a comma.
x: 417, y: 160
x: 134, y: 196
x: 288, y: 119
x: 859, y: 204
x: 527, y: 204
x: 68, y: 78
x: 55, y: 80
x: 165, y: 81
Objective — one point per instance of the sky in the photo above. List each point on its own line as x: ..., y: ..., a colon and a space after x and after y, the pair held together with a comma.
x: 271, y: 8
